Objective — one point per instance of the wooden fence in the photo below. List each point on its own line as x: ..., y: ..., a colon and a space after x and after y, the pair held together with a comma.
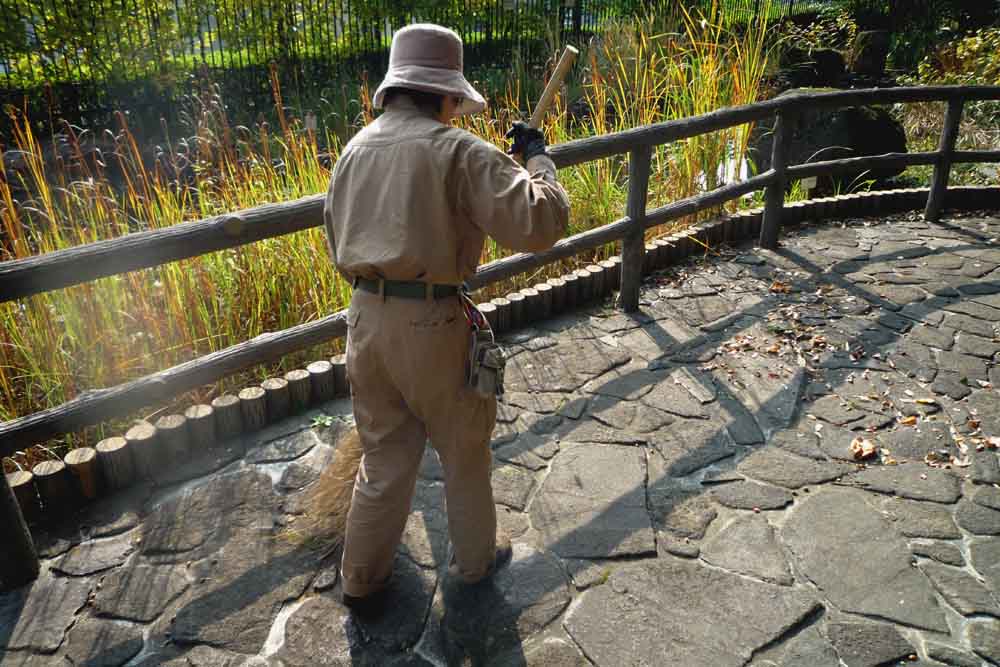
x: 24, y: 277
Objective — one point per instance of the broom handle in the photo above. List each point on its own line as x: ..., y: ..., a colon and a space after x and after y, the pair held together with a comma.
x: 565, y: 62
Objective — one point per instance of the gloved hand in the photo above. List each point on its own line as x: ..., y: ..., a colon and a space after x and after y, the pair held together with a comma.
x: 526, y: 140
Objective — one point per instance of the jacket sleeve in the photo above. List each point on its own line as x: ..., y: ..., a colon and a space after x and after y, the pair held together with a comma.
x: 522, y: 209
x: 329, y: 222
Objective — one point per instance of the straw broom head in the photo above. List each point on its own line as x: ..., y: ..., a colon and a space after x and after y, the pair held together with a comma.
x: 328, y: 500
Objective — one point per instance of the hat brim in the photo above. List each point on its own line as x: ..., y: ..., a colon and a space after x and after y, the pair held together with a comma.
x: 432, y: 80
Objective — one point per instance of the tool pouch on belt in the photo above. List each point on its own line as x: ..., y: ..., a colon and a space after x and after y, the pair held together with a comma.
x: 487, y: 359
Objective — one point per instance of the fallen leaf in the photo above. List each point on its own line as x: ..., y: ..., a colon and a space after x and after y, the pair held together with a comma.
x: 863, y: 448
x: 927, y: 401
x: 908, y: 421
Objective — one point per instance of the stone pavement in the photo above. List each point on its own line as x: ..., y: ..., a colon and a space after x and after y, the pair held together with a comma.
x: 680, y: 485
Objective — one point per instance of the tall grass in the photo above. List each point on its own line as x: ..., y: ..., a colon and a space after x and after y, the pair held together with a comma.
x: 56, y: 345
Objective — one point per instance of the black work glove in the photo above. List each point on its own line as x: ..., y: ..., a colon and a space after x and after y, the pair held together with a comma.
x: 526, y: 140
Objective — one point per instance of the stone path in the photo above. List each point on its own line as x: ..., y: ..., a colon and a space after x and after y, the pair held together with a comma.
x: 680, y: 485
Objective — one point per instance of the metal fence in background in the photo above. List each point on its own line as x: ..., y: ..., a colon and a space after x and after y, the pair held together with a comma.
x: 84, y: 59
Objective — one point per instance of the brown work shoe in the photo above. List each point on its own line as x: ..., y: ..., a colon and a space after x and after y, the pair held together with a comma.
x: 501, y: 556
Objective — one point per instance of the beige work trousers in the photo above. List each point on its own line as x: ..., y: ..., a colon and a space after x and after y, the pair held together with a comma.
x: 406, y: 365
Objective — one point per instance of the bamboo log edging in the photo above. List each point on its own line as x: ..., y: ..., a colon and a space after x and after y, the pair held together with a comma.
x: 116, y: 461
x: 83, y: 466
x: 22, y: 483
x: 104, y: 404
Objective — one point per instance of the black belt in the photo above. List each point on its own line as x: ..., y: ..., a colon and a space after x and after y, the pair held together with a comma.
x: 407, y: 289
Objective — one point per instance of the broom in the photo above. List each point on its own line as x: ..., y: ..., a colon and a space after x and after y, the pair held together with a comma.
x: 329, y: 499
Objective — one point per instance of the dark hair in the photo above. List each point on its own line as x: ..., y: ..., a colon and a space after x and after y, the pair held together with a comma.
x: 432, y: 102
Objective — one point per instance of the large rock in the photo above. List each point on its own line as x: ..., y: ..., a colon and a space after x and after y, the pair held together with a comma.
x: 870, y: 52
x: 853, y: 555
x: 672, y: 612
x: 593, y: 503
x: 830, y: 134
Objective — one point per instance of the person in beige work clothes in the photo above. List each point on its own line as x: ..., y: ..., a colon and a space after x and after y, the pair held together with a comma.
x: 410, y: 203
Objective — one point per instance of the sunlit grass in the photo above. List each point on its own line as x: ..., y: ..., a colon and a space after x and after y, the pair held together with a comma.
x: 56, y: 345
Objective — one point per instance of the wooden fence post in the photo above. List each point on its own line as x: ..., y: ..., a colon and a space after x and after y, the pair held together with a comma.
x: 18, y: 558
x: 774, y: 195
x: 634, y: 245
x: 942, y: 170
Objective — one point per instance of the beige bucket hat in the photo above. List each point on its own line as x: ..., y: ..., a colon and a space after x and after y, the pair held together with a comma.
x: 428, y: 57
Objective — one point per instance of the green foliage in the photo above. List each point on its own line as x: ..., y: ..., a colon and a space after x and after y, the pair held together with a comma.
x: 834, y: 28
x: 973, y: 59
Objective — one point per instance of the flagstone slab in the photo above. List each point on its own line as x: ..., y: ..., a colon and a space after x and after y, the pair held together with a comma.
x: 977, y: 519
x: 747, y: 545
x: 851, y: 552
x: 483, y: 621
x: 139, y: 591
x: 36, y: 616
x: 959, y: 589
x: 915, y: 481
x: 747, y: 495
x: 636, y: 614
x: 984, y: 637
x: 779, y: 467
x: 951, y: 656
x: 203, y: 516
x: 239, y: 593
x: 942, y: 552
x: 592, y: 504
x: 921, y: 519
x: 868, y: 644
x: 97, y: 555
x: 103, y: 643
x: 512, y: 486
x: 688, y: 445
x: 285, y: 449
x: 985, y: 558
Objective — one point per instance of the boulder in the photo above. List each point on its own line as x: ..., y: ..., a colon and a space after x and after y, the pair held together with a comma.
x: 815, y: 67
x: 830, y: 134
x: 870, y: 52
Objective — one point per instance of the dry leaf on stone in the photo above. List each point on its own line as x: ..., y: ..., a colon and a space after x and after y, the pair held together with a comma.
x: 908, y: 421
x: 863, y: 448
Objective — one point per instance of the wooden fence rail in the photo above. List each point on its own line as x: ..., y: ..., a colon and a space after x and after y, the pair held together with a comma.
x: 26, y: 277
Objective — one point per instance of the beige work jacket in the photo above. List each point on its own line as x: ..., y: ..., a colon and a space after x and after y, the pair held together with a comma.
x: 413, y: 199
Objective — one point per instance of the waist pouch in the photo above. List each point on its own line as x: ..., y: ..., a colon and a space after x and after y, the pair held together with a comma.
x: 487, y: 360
